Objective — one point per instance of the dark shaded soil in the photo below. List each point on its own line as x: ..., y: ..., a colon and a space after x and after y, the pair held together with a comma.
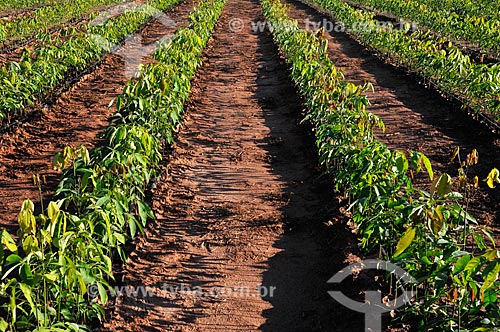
x: 247, y: 231
x: 416, y: 118
x: 241, y: 205
x: 475, y: 52
x: 77, y: 117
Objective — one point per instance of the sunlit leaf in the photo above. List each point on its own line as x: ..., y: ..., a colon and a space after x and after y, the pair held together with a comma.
x: 442, y: 185
x: 492, y: 178
x: 53, y: 211
x: 461, y: 264
x: 405, y: 241
x: 455, y: 153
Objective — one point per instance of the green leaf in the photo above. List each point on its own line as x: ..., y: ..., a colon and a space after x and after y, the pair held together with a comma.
x: 405, y: 241
x: 81, y: 284
x: 3, y: 325
x: 490, y: 296
x: 491, y: 277
x: 472, y: 266
x: 26, y: 218
x: 491, y: 254
x: 470, y: 217
x: 102, y: 293
x: 442, y: 185
x: 461, y: 264
x: 426, y: 260
x: 455, y: 195
x: 144, y: 211
x: 8, y: 242
x: 459, y: 253
x: 30, y: 244
x: 119, y: 237
x: 53, y: 211
x: 26, y: 274
x: 102, y: 201
x: 401, y: 162
x: 133, y: 227
x: 12, y: 259
x: 27, y: 294
x: 437, y: 220
x: 427, y: 163
x: 52, y: 276
x: 45, y: 237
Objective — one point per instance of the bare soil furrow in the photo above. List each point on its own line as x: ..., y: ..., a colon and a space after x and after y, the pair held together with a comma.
x: 14, y: 14
x: 76, y: 118
x: 416, y: 118
x: 12, y: 48
x: 241, y: 207
x: 476, y: 53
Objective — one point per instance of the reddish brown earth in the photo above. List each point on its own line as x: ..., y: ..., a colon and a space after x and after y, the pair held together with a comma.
x: 476, y: 53
x: 12, y: 48
x: 14, y: 14
x: 76, y: 118
x: 416, y: 118
x: 8, y: 16
x: 241, y: 204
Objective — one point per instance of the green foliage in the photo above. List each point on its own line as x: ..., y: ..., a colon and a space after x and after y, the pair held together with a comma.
x: 46, y: 17
x: 428, y: 233
x: 45, y: 274
x: 466, y: 20
x: 477, y: 85
x: 35, y: 75
x: 6, y: 5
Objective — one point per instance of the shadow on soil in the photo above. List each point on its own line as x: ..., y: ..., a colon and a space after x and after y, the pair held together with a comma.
x: 446, y: 125
x: 310, y: 253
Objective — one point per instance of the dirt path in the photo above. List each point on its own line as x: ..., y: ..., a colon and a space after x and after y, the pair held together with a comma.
x: 241, y: 205
x: 416, y: 118
x: 77, y: 117
x: 12, y: 48
x: 476, y: 53
x: 13, y: 14
x: 8, y: 10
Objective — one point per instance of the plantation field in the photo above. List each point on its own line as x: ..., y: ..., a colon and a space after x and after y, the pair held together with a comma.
x: 208, y: 165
